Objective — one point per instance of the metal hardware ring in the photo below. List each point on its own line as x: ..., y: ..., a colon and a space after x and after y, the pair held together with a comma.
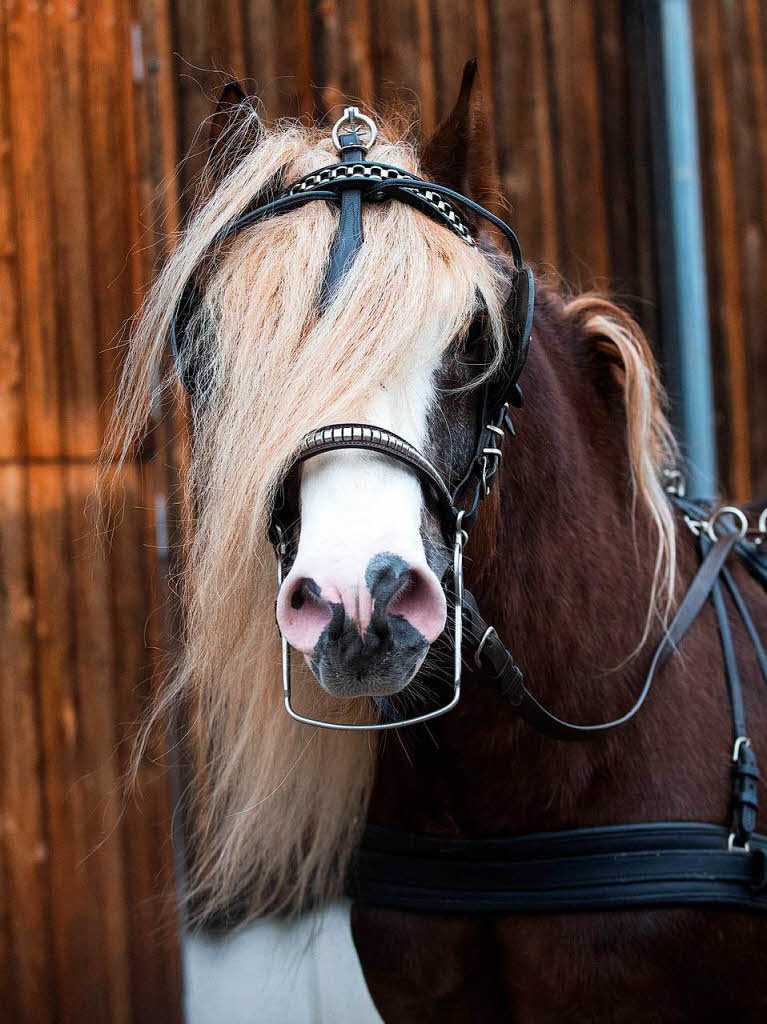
x: 482, y: 642
x: 733, y: 847
x: 349, y: 116
x: 737, y: 513
x: 741, y: 741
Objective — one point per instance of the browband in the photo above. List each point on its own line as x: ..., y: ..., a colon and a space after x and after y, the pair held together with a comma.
x: 346, y: 185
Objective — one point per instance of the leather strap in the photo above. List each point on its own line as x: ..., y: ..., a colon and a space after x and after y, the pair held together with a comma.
x: 609, y: 867
x: 349, y: 235
x: 499, y: 670
x: 363, y: 436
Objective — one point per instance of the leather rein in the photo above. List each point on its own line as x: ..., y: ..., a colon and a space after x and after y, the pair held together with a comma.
x: 593, y: 868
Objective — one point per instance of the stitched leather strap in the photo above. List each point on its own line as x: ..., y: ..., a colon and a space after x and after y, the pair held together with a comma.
x: 616, y: 866
x: 363, y: 436
x: 349, y: 235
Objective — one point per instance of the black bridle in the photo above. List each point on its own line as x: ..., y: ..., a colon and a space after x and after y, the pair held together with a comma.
x: 655, y: 864
x: 348, y: 184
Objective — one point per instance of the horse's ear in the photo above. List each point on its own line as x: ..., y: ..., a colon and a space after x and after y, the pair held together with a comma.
x: 460, y: 154
x: 235, y: 129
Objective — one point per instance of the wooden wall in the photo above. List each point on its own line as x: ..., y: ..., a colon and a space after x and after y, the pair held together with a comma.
x: 98, y: 100
x: 731, y: 48
x: 87, y: 925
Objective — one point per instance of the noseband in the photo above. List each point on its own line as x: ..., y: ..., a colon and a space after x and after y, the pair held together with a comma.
x: 348, y: 185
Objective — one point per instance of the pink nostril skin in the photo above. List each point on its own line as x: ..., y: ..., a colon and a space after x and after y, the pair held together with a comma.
x: 422, y: 603
x: 302, y: 612
x: 305, y: 605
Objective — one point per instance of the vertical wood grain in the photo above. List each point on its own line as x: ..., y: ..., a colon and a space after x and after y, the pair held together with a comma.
x: 725, y: 298
x: 82, y: 925
x: 95, y: 110
x: 584, y: 244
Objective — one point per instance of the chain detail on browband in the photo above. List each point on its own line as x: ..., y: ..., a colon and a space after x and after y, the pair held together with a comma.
x: 337, y: 175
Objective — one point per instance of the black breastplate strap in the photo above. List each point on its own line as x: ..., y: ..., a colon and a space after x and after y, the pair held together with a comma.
x: 611, y: 867
x: 499, y: 670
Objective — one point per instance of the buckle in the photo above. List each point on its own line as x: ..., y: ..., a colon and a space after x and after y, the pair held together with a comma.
x: 494, y: 452
x: 733, y: 847
x: 478, y: 653
x: 675, y: 482
x: 350, y: 117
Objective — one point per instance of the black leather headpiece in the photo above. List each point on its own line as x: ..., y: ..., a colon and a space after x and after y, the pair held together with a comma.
x: 349, y: 184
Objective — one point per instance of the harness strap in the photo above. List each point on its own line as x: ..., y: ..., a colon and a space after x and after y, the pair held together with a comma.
x: 499, y: 670
x: 745, y: 772
x: 615, y: 866
x: 349, y: 236
x: 748, y: 622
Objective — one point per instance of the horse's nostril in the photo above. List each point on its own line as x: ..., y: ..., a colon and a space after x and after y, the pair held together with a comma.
x: 421, y: 601
x: 304, y: 591
x: 302, y: 613
x: 407, y: 584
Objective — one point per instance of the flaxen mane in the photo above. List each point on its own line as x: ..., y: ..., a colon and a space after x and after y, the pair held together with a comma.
x: 276, y: 808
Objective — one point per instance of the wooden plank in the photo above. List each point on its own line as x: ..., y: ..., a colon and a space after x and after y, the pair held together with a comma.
x: 28, y: 54
x: 357, y: 79
x: 397, y: 64
x: 137, y: 616
x: 80, y: 973
x: 327, y: 58
x: 748, y: 204
x: 523, y: 126
x: 150, y: 123
x: 107, y: 40
x: 93, y: 786
x: 294, y: 59
x: 757, y: 355
x: 209, y: 39
x: 341, y: 56
x: 455, y: 42
x: 584, y: 247
x: 26, y: 982
x: 427, y: 83
x: 625, y: 146
x: 259, y: 19
x: 34, y: 229
x: 722, y: 248
x: 25, y: 845
x: 12, y: 438
x: 643, y: 294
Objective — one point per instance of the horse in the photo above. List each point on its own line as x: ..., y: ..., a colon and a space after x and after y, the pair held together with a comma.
x: 578, y: 558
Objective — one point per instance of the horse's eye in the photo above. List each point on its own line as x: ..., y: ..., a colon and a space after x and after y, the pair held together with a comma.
x: 473, y: 349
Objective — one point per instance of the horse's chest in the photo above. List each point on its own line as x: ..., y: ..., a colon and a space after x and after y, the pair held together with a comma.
x: 664, y: 966
x: 656, y: 965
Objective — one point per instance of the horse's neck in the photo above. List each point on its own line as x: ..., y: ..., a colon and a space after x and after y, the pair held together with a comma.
x: 568, y: 589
